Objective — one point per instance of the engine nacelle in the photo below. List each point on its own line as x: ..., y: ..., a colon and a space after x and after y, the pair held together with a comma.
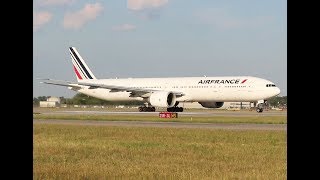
x: 162, y: 99
x: 211, y: 104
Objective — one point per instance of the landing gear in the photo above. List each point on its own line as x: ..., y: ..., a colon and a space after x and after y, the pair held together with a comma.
x: 259, y: 110
x: 149, y: 108
x: 260, y: 106
x: 175, y: 109
x: 146, y: 109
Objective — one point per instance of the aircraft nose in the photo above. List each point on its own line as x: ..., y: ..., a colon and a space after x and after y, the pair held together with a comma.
x: 277, y: 91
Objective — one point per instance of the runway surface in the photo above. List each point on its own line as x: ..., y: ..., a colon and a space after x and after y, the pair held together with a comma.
x: 200, y: 113
x: 227, y: 126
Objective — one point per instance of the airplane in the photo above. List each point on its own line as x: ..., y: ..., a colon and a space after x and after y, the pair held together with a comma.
x: 210, y: 92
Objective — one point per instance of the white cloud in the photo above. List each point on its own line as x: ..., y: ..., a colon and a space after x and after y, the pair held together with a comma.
x: 145, y: 4
x: 77, y: 19
x: 40, y: 18
x: 53, y: 2
x: 124, y: 27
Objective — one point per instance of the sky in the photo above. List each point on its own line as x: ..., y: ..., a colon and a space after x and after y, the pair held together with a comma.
x: 159, y: 38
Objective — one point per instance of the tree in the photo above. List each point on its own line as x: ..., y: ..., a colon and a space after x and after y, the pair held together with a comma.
x: 63, y: 100
x: 43, y: 98
x: 36, y: 101
x: 278, y: 101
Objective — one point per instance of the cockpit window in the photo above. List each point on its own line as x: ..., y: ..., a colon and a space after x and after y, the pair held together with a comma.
x: 270, y: 85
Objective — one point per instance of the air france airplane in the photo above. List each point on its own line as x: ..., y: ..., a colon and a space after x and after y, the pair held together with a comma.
x: 210, y: 92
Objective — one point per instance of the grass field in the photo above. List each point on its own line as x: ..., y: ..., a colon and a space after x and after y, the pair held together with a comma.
x: 90, y: 152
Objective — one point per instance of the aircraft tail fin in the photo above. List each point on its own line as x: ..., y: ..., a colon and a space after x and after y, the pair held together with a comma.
x: 80, y: 67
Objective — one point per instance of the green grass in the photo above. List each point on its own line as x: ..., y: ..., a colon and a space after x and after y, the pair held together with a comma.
x: 90, y: 152
x: 211, y: 119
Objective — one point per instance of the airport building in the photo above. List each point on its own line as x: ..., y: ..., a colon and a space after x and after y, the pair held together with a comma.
x: 51, y: 102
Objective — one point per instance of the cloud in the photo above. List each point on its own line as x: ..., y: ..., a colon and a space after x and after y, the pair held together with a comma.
x: 138, y: 5
x: 124, y: 27
x: 40, y: 18
x: 221, y: 19
x: 53, y: 2
x: 77, y: 19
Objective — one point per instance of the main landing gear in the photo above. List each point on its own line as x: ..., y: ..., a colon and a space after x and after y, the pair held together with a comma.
x: 153, y: 109
x: 175, y: 109
x: 146, y: 109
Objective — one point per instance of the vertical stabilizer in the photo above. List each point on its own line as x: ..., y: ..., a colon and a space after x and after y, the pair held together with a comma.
x: 79, y: 66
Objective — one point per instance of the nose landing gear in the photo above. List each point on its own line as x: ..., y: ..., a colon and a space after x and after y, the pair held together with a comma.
x: 261, y: 105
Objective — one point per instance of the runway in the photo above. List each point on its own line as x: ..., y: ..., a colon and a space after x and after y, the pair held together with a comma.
x: 200, y: 113
x: 226, y: 126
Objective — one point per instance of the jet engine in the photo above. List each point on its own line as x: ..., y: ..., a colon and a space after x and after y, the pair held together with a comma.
x: 211, y: 104
x: 162, y: 99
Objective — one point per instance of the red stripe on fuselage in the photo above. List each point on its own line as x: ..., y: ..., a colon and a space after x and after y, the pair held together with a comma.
x: 244, y: 81
x: 77, y: 73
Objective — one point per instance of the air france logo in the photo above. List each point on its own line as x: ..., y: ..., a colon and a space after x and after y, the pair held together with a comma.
x: 226, y: 81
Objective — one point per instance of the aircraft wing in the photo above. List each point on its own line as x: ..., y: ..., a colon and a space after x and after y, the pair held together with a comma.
x: 135, y: 92
x: 60, y: 83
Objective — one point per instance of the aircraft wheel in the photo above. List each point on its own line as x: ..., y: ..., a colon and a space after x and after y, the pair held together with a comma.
x: 259, y: 110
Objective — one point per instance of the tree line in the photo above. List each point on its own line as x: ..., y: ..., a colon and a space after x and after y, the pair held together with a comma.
x: 278, y: 101
x: 82, y: 99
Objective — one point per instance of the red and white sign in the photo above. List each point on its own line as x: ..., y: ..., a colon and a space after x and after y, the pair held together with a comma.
x: 168, y: 115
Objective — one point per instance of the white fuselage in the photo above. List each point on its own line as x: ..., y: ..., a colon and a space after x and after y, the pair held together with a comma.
x: 195, y: 89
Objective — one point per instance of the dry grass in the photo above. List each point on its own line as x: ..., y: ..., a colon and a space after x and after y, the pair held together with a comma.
x: 86, y: 152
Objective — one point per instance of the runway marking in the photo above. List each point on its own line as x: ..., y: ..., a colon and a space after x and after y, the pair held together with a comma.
x: 228, y: 126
